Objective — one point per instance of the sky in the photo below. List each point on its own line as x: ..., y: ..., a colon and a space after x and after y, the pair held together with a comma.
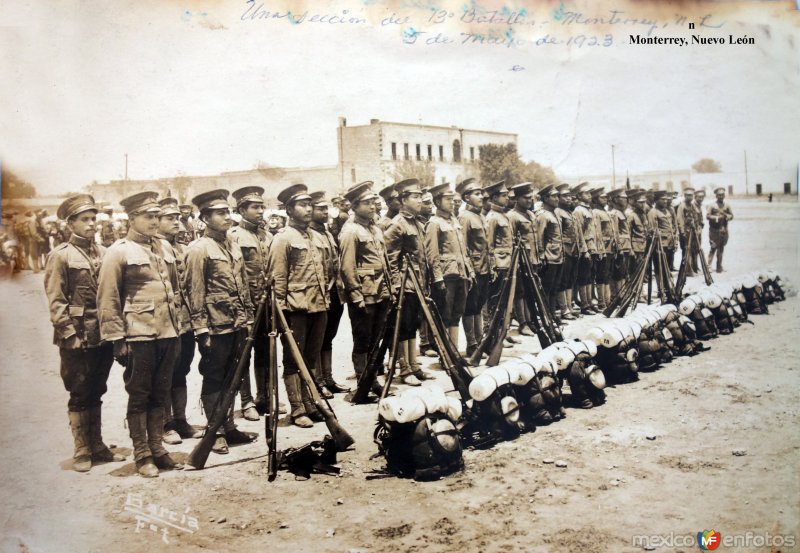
x: 198, y: 88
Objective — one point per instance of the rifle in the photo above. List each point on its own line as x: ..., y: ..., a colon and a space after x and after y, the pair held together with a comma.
x: 703, y: 262
x: 497, y: 348
x: 548, y: 331
x: 271, y: 421
x: 398, y: 313
x: 340, y: 436
x: 199, y: 455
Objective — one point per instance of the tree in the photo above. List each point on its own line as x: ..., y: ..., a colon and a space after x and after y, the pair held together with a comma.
x: 707, y: 165
x: 420, y: 170
x: 502, y: 162
x: 15, y: 187
x: 538, y: 174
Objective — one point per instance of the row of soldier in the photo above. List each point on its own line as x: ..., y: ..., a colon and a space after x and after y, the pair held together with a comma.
x: 148, y: 299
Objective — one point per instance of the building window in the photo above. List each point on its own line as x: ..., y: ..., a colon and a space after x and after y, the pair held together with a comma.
x: 419, y: 152
x: 456, y: 151
x: 405, y: 151
x: 441, y: 153
x: 787, y: 187
x: 430, y: 152
x: 394, y: 150
x: 472, y: 153
x: 353, y: 174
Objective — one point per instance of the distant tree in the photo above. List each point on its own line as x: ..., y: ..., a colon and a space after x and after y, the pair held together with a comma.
x: 421, y: 170
x: 15, y: 187
x: 707, y: 165
x: 502, y: 162
x: 538, y: 174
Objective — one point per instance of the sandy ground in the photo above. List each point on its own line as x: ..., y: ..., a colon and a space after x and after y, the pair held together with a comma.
x: 741, y: 396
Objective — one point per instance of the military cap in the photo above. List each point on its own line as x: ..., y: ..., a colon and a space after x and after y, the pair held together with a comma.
x: 427, y: 197
x: 564, y: 189
x: 213, y: 199
x: 248, y: 194
x: 169, y: 206
x: 578, y: 188
x: 688, y: 189
x: 522, y: 189
x: 109, y: 207
x: 719, y: 189
x: 597, y: 191
x: 636, y: 194
x: 141, y: 202
x: 318, y: 199
x: 186, y: 206
x: 495, y: 188
x: 466, y: 186
x: 658, y: 194
x: 363, y: 191
x: 547, y: 190
x: 336, y: 199
x: 408, y: 186
x: 293, y: 193
x: 73, y: 206
x: 387, y: 192
x: 617, y: 193
x: 441, y: 190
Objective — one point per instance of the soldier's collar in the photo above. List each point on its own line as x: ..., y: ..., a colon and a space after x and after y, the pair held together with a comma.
x: 297, y: 225
x: 80, y: 241
x: 407, y: 214
x: 478, y: 210
x: 247, y: 225
x: 137, y: 236
x: 218, y: 235
x: 496, y: 207
x: 317, y: 226
x: 443, y: 214
x: 363, y: 221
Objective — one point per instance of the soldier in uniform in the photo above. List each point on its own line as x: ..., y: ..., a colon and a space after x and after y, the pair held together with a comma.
x: 500, y: 243
x: 719, y: 213
x: 699, y: 198
x: 330, y: 252
x: 569, y: 238
x: 584, y: 223
x: 688, y: 218
x: 548, y: 228
x: 622, y: 239
x: 605, y: 247
x: 254, y: 242
x: 70, y: 282
x: 451, y: 270
x: 660, y: 221
x: 364, y: 274
x: 426, y: 348
x: 297, y: 266
x: 639, y: 226
x: 108, y: 231
x: 341, y: 217
x: 220, y: 306
x: 389, y: 196
x: 523, y: 226
x: 176, y: 427
x: 139, y: 305
x: 405, y: 244
x: 473, y: 226
x: 188, y: 223
x: 457, y: 202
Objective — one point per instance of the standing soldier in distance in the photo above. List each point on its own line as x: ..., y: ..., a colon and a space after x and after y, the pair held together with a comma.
x: 297, y: 267
x: 473, y: 225
x: 139, y: 305
x: 70, y: 282
x: 220, y: 306
x: 500, y: 242
x: 719, y: 213
x: 425, y: 336
x: 569, y: 239
x: 254, y: 241
x: 108, y: 231
x: 364, y: 274
x: 523, y: 225
x: 584, y: 222
x: 451, y: 270
x: 660, y: 220
x: 389, y: 196
x: 622, y: 239
x: 687, y: 218
x: 341, y: 217
x: 405, y: 244
x: 639, y: 226
x: 330, y: 252
x: 548, y: 228
x: 176, y: 427
x: 605, y: 247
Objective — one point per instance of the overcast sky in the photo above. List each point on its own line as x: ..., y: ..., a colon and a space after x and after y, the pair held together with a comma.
x: 190, y: 87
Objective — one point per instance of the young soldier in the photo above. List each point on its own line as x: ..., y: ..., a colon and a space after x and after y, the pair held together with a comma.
x: 719, y: 213
x: 523, y: 225
x: 341, y: 217
x: 220, y: 306
x: 548, y: 228
x: 176, y: 427
x: 473, y: 226
x: 139, y: 306
x: 298, y: 268
x: 660, y: 221
x: 639, y: 227
x: 688, y: 218
x: 605, y: 247
x: 405, y: 243
x: 389, y: 196
x: 451, y: 271
x: 622, y: 239
x: 330, y: 252
x: 500, y: 243
x: 584, y: 223
x: 70, y: 281
x: 569, y: 235
x: 364, y: 275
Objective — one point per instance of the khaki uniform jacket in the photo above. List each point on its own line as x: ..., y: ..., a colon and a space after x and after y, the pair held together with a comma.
x: 474, y: 229
x: 604, y: 233
x: 329, y: 248
x: 523, y: 223
x: 385, y: 222
x: 254, y: 241
x: 719, y: 215
x: 138, y: 291
x: 444, y: 243
x: 661, y: 221
x: 548, y: 227
x: 179, y: 251
x: 639, y: 227
x: 499, y: 239
x: 297, y: 267
x: 362, y: 263
x: 687, y: 217
x: 70, y: 282
x: 621, y: 229
x: 569, y: 232
x: 586, y: 227
x: 405, y: 240
x: 216, y: 285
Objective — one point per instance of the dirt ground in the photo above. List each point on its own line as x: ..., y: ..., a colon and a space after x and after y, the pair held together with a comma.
x: 741, y: 396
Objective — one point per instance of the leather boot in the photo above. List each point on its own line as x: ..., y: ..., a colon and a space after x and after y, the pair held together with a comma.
x: 82, y: 457
x: 468, y: 322
x: 137, y: 426
x: 171, y: 437
x: 326, y: 359
x: 719, y: 261
x: 319, y: 379
x: 100, y: 451
x: 297, y: 412
x: 182, y: 427
x: 360, y: 361
x: 155, y: 435
x: 209, y: 401
x: 308, y: 404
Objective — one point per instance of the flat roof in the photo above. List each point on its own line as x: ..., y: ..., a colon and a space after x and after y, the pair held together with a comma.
x: 418, y: 125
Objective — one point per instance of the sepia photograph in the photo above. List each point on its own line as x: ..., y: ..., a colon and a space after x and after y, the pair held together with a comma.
x: 367, y: 276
